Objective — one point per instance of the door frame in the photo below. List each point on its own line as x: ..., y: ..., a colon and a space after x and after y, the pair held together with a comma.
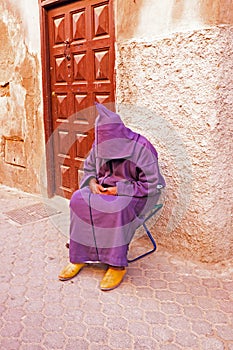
x: 44, y: 7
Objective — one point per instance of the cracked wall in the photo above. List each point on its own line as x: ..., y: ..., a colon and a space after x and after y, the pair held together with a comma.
x: 22, y: 131
x: 174, y: 85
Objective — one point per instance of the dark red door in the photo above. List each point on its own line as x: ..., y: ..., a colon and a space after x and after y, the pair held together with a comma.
x: 81, y: 60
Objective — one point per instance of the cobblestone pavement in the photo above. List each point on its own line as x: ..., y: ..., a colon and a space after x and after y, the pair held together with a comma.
x: 163, y: 303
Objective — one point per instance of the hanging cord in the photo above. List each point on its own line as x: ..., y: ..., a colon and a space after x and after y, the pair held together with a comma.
x: 92, y: 224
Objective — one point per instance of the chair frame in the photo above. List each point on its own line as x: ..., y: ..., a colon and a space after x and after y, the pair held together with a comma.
x: 156, y: 208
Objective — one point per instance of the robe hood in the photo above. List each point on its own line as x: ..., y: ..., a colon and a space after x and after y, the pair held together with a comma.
x: 113, y: 140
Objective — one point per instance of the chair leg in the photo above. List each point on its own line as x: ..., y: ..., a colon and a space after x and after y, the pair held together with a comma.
x: 157, y: 207
x: 150, y: 251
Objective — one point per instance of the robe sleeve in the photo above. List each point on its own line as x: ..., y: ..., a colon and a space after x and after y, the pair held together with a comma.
x: 89, y: 169
x: 145, y: 186
x: 148, y: 175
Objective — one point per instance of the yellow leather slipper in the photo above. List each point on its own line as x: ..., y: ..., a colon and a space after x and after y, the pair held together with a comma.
x: 70, y: 271
x: 112, y: 278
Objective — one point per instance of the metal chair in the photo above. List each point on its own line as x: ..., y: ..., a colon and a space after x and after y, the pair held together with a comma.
x: 156, y: 208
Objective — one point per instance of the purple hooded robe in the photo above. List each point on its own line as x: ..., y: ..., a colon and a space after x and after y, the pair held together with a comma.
x: 102, y: 226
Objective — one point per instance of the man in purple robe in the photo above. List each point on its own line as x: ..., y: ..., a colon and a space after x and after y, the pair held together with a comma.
x: 121, y: 183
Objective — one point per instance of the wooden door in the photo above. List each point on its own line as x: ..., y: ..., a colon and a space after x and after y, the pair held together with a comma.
x: 81, y: 62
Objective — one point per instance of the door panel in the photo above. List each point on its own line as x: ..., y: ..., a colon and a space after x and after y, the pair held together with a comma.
x: 81, y: 58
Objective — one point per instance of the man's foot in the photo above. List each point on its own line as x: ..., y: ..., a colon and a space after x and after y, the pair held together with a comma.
x: 112, y: 278
x: 70, y: 271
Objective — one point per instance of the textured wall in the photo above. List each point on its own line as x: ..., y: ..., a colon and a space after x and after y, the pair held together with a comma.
x: 21, y: 135
x: 179, y: 93
x: 150, y: 19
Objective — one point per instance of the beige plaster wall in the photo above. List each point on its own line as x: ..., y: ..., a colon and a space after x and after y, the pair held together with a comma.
x: 177, y: 89
x: 150, y: 19
x: 21, y: 133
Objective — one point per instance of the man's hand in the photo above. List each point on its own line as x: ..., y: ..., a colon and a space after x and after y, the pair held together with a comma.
x: 110, y: 191
x: 98, y: 189
x: 95, y: 187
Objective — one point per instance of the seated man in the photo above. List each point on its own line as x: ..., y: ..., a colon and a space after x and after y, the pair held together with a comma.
x: 121, y: 183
